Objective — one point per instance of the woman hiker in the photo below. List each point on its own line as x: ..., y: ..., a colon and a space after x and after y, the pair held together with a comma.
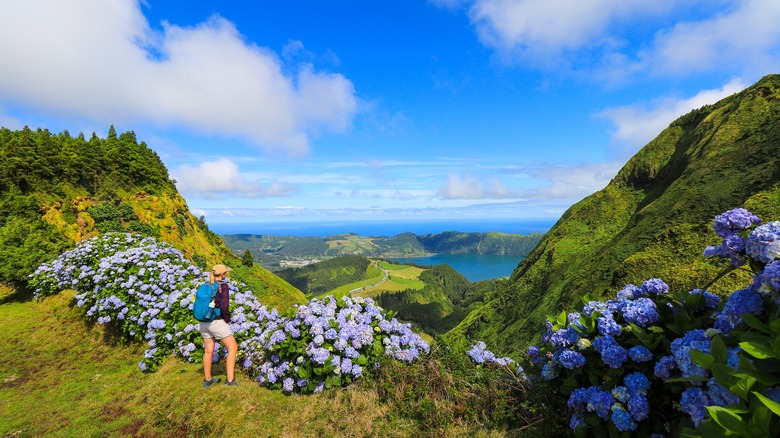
x: 219, y: 329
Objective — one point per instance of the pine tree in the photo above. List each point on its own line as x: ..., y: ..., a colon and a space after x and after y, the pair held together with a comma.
x: 247, y: 259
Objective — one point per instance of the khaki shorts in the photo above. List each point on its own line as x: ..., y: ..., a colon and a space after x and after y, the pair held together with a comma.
x: 217, y: 329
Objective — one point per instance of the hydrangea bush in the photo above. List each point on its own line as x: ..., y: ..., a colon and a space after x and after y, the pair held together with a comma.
x: 653, y: 362
x: 146, y: 289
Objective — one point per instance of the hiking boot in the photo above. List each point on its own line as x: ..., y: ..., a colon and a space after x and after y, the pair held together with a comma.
x: 229, y: 383
x: 207, y: 383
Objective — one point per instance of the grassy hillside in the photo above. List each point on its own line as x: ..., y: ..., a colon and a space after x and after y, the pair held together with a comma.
x: 63, y: 377
x: 56, y: 190
x: 652, y: 220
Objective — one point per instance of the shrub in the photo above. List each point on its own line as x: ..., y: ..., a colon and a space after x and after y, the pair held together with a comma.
x: 146, y: 288
x: 653, y: 362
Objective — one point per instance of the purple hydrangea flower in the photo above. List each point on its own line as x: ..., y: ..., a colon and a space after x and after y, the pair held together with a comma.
x: 734, y: 221
x: 763, y: 243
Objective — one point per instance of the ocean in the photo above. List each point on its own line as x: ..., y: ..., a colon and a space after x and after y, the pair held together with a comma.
x: 388, y: 229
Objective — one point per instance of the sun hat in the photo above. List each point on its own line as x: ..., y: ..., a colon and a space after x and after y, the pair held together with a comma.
x: 220, y: 269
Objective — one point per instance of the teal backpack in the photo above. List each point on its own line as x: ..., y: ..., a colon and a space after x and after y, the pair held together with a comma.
x: 205, y: 308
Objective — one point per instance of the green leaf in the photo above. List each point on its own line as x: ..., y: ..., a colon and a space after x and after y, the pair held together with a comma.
x: 755, y: 323
x: 729, y: 420
x: 771, y: 404
x: 724, y: 374
x: 562, y: 319
x: 743, y: 386
x: 718, y: 350
x: 703, y: 359
x: 756, y: 350
x: 761, y: 420
x: 303, y: 372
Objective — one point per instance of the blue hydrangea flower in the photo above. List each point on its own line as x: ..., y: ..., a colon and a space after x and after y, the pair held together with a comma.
x: 641, y: 312
x: 720, y: 396
x: 738, y: 303
x: 693, y: 402
x: 564, y: 337
x: 549, y: 371
x: 639, y: 407
x: 711, y: 301
x: 611, y: 352
x: 620, y: 393
x: 637, y: 382
x: 640, y: 353
x: 681, y: 350
x: 655, y: 286
x: 571, y: 359
x: 623, y: 419
x: 664, y: 367
x: 629, y: 292
x: 608, y: 326
x: 576, y: 421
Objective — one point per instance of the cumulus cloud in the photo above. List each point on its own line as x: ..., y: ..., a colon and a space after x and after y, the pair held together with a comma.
x: 636, y: 125
x: 747, y: 38
x: 547, y: 182
x: 220, y: 178
x: 536, y: 29
x: 471, y: 187
x: 597, y: 35
x: 102, y: 60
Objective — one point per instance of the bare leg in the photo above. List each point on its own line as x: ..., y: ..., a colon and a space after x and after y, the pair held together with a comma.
x: 230, y: 362
x: 208, y: 352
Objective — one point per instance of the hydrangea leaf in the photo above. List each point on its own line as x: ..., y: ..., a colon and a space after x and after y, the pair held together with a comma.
x: 769, y: 403
x: 755, y: 323
x: 729, y: 420
x: 703, y: 359
x: 757, y: 350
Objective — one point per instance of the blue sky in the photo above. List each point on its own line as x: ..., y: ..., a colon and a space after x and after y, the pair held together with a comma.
x: 383, y: 110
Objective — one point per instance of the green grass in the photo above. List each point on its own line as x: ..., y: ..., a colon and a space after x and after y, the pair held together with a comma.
x: 64, y: 377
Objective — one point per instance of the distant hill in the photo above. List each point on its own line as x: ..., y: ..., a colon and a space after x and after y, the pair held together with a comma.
x: 435, y: 298
x: 57, y: 189
x: 653, y: 219
x: 274, y: 252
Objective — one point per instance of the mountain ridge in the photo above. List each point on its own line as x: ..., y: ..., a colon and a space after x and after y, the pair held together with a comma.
x: 652, y: 220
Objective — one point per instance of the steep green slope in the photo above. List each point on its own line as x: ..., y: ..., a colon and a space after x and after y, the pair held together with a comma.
x: 652, y: 220
x: 56, y: 190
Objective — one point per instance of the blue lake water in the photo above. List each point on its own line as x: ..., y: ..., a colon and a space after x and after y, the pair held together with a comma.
x: 473, y: 267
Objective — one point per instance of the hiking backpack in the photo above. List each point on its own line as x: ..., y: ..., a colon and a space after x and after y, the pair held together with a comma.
x: 205, y: 308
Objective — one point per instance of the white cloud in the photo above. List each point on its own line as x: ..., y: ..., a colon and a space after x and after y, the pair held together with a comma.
x: 613, y: 39
x: 571, y: 182
x: 221, y: 178
x: 636, y: 125
x: 548, y: 182
x: 744, y: 39
x: 471, y: 187
x: 102, y: 60
x: 535, y: 29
